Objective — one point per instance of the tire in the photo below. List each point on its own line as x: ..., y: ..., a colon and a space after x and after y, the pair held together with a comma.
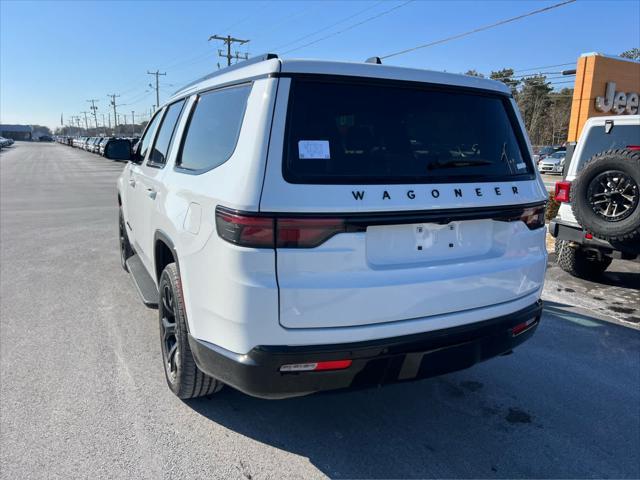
x: 605, y: 197
x: 579, y: 262
x: 125, y: 247
x: 183, y: 376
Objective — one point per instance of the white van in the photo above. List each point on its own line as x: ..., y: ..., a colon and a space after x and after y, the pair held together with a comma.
x: 308, y: 225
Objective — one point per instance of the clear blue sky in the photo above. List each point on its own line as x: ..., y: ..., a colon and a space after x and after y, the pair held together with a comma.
x: 55, y: 55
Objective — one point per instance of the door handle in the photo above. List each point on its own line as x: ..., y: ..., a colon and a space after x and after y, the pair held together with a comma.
x: 152, y: 193
x: 132, y: 182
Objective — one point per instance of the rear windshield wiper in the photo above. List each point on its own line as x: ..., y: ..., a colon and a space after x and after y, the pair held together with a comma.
x: 460, y: 163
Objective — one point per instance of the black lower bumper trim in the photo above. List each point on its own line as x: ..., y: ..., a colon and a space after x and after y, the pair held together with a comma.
x: 374, y: 362
x: 562, y: 231
x: 570, y: 233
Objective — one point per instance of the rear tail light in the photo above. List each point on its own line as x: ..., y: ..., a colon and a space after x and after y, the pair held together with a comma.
x: 562, y: 191
x: 245, y: 230
x: 635, y: 148
x: 263, y: 231
x: 306, y: 232
x: 316, y: 366
x: 257, y: 230
x: 533, y: 217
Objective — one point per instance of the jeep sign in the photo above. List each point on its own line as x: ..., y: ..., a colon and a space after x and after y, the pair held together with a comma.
x: 617, y: 102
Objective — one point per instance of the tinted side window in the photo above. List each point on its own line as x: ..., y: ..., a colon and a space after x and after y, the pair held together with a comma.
x: 149, y: 134
x: 214, y: 127
x: 165, y: 134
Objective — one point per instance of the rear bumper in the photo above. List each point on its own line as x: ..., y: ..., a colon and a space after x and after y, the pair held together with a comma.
x: 572, y: 233
x: 564, y: 231
x: 374, y: 362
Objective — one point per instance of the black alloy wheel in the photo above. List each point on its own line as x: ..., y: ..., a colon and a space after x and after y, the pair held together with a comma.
x: 613, y: 195
x: 184, y: 378
x: 170, y: 345
x: 125, y: 247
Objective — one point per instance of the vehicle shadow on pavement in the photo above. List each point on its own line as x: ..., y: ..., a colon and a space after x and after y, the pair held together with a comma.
x: 561, y: 406
x: 629, y: 280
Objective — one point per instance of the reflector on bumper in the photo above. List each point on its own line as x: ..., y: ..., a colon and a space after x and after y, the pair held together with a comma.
x: 523, y: 327
x: 316, y: 366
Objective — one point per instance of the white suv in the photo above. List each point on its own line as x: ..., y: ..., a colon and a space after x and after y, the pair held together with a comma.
x: 308, y: 225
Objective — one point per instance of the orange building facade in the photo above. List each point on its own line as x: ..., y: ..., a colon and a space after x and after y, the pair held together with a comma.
x: 605, y: 85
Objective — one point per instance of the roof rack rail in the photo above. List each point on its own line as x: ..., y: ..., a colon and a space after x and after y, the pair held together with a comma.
x: 251, y: 61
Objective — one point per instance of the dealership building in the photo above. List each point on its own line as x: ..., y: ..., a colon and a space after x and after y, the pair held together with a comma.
x: 17, y: 132
x: 605, y: 85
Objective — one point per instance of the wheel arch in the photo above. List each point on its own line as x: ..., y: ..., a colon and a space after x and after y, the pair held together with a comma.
x: 164, y: 253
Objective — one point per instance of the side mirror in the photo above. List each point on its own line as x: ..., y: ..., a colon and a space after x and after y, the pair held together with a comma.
x: 118, y: 150
x: 135, y: 152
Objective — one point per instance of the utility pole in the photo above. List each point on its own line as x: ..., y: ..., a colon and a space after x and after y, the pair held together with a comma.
x: 94, y: 109
x: 86, y: 121
x: 73, y: 124
x: 157, y: 87
x: 115, y: 115
x: 228, y: 41
x: 133, y: 123
x: 104, y: 125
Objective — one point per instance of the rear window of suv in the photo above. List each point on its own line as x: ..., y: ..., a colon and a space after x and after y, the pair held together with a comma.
x: 359, y: 132
x: 598, y: 140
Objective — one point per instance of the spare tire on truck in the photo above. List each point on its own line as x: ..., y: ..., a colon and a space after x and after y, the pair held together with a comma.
x: 605, y: 198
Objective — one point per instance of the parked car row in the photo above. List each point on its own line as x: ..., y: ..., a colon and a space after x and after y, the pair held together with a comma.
x: 5, y: 142
x: 116, y: 148
x: 540, y: 153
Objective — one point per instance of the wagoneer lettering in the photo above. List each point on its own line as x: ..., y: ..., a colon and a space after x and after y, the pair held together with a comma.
x: 309, y: 225
x: 434, y: 193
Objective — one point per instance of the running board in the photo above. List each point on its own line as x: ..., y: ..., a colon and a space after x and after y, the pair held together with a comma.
x: 143, y: 282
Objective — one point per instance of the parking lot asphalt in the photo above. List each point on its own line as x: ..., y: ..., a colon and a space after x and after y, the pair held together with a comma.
x: 83, y: 394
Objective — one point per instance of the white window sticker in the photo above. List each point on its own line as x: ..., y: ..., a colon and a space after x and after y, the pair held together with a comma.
x: 521, y: 166
x: 314, y: 149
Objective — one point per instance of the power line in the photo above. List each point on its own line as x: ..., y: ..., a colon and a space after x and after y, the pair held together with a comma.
x: 544, y: 68
x: 200, y: 56
x: 204, y: 55
x: 359, y: 12
x: 532, y: 75
x: 476, y: 30
x: 540, y: 70
x: 137, y: 99
x: 283, y: 20
x: 244, y: 19
x: 558, y: 83
x: 139, y: 92
x: 351, y: 27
